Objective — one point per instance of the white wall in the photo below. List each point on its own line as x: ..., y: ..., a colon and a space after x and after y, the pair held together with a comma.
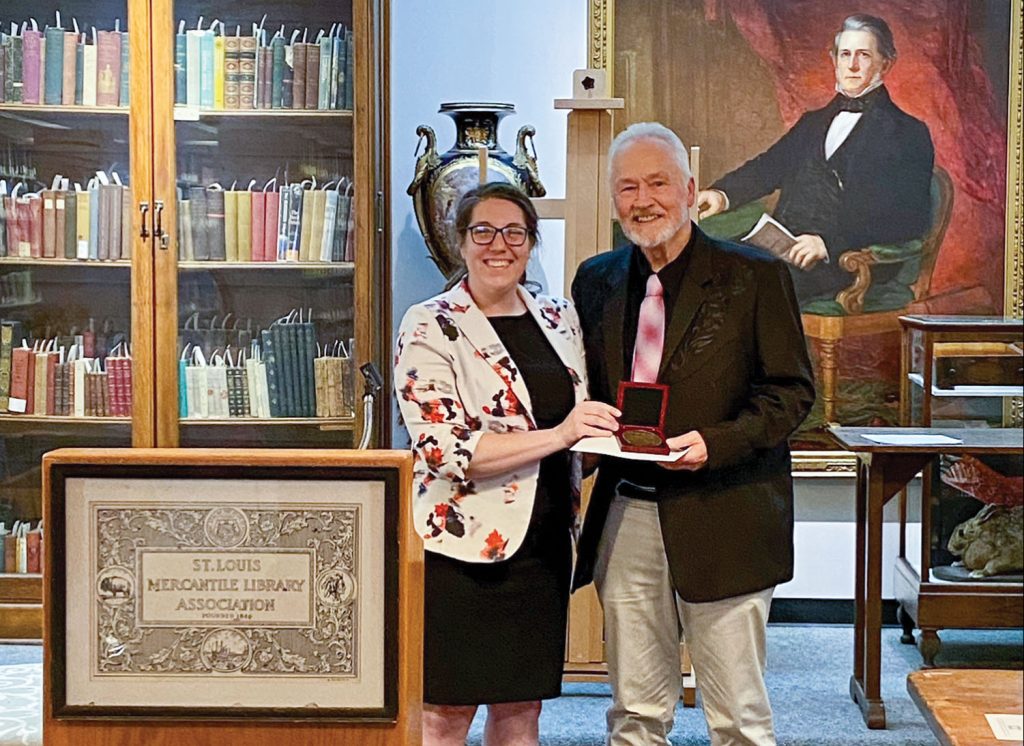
x: 520, y: 52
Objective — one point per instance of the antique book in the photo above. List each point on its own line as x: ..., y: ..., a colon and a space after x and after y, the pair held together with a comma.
x: 235, y: 382
x: 79, y: 69
x: 13, y: 83
x: 60, y: 222
x: 49, y: 224
x: 193, y: 44
x: 217, y: 390
x: 32, y: 73
x: 52, y: 358
x: 127, y: 237
x: 94, y: 219
x: 341, y: 226
x: 197, y: 210
x: 271, y: 230
x: 272, y: 373
x: 70, y: 70
x: 325, y: 57
x: 308, y: 339
x: 180, y: 67
x: 206, y: 69
x: 89, y: 61
x: 231, y: 225
x: 215, y: 224
x: 770, y: 235
x: 295, y: 198
x: 6, y: 348
x: 70, y: 224
x: 4, y: 200
x: 39, y: 383
x: 218, y: 71
x: 34, y: 213
x: 53, y: 72
x: 78, y: 387
x: 330, y: 217
x: 277, y: 63
x: 257, y: 206
x: 186, y: 232
x: 299, y: 75
x: 337, y: 66
x: 312, y: 75
x: 349, y: 55
x: 124, y: 89
x: 232, y: 71
x: 243, y: 211
x: 320, y: 386
x: 318, y: 198
x: 306, y: 224
x: 267, y: 84
x: 108, y: 68
x: 247, y: 72
x: 58, y: 385
x: 3, y: 68
x: 285, y: 354
x: 288, y: 79
x: 33, y: 551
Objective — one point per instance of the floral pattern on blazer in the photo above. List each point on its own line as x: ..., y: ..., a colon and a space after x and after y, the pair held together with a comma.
x: 456, y: 381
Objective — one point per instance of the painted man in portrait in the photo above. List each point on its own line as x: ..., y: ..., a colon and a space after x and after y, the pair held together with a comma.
x: 853, y: 174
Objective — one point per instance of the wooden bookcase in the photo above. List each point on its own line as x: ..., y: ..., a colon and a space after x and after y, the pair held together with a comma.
x: 159, y: 148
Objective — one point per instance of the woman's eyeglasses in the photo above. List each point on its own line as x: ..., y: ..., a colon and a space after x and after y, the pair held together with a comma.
x: 484, y: 235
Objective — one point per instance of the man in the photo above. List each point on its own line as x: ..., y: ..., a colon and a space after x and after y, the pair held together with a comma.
x: 853, y: 174
x: 702, y: 541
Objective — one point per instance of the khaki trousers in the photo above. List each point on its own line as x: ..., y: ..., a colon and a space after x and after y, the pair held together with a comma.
x: 642, y: 620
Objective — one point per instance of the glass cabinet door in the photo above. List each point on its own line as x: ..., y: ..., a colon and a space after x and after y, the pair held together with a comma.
x: 268, y: 265
x: 68, y: 227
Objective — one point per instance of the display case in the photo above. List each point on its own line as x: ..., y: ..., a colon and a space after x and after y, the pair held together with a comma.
x: 193, y: 239
x: 963, y: 371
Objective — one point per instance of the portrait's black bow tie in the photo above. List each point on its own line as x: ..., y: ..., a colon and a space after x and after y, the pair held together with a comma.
x: 844, y: 103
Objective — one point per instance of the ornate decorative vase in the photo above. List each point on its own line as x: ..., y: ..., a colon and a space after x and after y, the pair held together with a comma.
x: 440, y: 180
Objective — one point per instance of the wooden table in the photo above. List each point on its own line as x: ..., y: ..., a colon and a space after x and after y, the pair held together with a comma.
x: 882, y: 471
x: 954, y: 702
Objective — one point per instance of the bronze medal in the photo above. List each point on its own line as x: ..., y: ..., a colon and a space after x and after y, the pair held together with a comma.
x: 643, y: 438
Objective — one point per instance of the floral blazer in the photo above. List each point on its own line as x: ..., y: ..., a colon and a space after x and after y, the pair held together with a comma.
x: 456, y: 381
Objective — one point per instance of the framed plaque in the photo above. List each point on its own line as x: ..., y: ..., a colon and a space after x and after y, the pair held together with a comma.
x: 223, y: 590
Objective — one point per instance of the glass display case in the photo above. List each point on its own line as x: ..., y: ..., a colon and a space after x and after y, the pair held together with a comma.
x: 963, y: 371
x: 192, y: 237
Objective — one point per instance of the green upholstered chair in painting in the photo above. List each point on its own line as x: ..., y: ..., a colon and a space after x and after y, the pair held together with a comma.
x: 863, y: 308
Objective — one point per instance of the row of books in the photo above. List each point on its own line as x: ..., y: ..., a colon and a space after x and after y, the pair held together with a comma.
x: 63, y: 67
x: 283, y: 374
x: 298, y: 223
x: 67, y: 222
x: 22, y: 548
x: 216, y: 70
x: 45, y: 379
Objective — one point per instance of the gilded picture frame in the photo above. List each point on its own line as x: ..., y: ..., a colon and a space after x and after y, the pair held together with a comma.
x: 225, y: 591
x: 634, y: 76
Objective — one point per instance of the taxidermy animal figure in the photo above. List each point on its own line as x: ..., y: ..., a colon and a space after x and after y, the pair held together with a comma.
x: 992, y: 542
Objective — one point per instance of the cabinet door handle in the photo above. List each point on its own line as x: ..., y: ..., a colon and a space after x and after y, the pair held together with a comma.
x: 158, y: 231
x: 144, y: 209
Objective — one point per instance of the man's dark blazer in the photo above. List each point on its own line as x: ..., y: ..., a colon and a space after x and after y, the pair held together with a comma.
x: 736, y: 362
x: 884, y: 169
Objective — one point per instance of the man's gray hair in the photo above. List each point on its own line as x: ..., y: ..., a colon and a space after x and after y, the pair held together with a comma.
x: 650, y: 131
x: 876, y: 27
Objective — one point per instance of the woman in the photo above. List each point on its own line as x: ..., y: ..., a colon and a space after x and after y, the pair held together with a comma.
x: 491, y: 385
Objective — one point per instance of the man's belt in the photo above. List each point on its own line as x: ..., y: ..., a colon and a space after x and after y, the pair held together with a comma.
x: 625, y: 488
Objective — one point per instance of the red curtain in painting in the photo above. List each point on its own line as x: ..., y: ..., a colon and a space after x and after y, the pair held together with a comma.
x: 939, y: 79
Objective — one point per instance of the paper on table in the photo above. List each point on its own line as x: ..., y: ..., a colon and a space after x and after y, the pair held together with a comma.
x: 913, y: 439
x: 609, y: 446
x: 1006, y: 727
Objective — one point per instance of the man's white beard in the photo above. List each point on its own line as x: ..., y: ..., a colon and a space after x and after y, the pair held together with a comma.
x: 659, y: 238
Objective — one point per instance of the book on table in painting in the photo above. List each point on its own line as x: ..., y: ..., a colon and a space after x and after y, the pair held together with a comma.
x: 260, y: 69
x: 299, y: 222
x: 63, y: 66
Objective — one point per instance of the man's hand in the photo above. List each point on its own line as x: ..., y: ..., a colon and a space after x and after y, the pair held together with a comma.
x: 696, y: 452
x: 807, y: 251
x: 710, y: 202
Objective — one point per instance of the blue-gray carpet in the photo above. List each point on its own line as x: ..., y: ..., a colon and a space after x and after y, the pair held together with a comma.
x: 809, y: 669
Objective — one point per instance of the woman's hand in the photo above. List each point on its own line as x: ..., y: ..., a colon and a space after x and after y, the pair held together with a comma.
x: 588, y: 419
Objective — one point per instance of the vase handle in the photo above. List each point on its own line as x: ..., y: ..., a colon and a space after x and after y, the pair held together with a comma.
x: 428, y: 161
x: 527, y: 163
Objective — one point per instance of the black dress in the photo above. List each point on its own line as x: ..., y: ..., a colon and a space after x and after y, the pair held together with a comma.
x: 495, y: 631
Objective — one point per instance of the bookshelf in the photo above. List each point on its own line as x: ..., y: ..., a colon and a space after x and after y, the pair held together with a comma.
x: 152, y: 147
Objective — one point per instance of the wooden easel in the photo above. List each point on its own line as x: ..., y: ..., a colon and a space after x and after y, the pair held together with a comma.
x: 586, y: 211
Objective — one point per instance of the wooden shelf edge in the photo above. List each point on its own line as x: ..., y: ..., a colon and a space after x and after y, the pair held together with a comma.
x: 61, y: 262
x: 55, y: 419
x: 220, y: 264
x: 71, y: 109
x: 191, y: 114
x: 332, y: 422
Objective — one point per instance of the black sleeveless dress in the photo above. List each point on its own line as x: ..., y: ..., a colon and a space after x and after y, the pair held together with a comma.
x: 495, y: 632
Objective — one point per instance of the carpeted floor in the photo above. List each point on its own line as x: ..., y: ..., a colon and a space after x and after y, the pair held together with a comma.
x: 809, y: 669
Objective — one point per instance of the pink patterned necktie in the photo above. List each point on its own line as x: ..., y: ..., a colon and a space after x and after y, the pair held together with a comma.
x: 650, y: 333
